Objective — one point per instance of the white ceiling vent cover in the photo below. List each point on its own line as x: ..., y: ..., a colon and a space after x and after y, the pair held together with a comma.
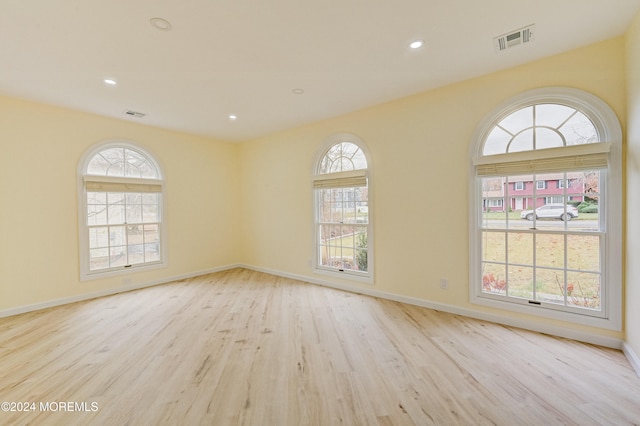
x: 135, y: 114
x: 514, y: 38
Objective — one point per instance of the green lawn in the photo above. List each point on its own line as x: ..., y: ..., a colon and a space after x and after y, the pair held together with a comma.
x: 549, y: 252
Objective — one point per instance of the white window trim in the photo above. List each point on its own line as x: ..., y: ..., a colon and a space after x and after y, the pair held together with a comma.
x: 364, y: 277
x: 609, y: 130
x: 83, y: 228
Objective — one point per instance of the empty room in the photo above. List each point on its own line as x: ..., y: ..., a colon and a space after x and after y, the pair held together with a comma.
x: 317, y: 213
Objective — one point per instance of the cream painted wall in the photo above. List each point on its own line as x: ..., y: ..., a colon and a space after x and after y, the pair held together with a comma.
x: 633, y: 188
x: 40, y: 150
x: 420, y: 213
x: 252, y: 203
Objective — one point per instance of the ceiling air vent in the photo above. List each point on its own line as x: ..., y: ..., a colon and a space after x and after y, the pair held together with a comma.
x: 514, y: 38
x: 135, y: 114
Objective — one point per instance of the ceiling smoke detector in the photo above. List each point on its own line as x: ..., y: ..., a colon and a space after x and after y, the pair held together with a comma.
x: 135, y: 114
x: 514, y: 38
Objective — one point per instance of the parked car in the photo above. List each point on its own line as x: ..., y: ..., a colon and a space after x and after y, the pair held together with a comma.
x: 551, y: 211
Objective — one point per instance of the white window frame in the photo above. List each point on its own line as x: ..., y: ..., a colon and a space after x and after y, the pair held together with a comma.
x: 368, y: 276
x: 518, y: 186
x: 83, y: 234
x: 541, y: 184
x: 608, y: 127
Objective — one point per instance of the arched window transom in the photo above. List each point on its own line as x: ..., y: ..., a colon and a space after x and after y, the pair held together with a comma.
x: 545, y: 198
x: 343, y: 237
x: 121, y: 200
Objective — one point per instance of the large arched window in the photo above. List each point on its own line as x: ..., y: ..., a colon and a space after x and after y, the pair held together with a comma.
x: 343, y: 237
x: 546, y: 208
x: 121, y: 227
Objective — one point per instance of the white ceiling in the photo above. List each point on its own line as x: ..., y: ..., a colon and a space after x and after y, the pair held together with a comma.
x: 245, y: 57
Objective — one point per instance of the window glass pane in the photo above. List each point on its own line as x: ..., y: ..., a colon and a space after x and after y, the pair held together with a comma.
x: 361, y: 252
x: 520, y: 248
x: 135, y: 253
x: 493, y: 247
x: 150, y: 213
x: 497, y: 142
x: 547, y: 138
x: 134, y: 213
x: 135, y: 234
x: 151, y: 243
x: 96, y: 214
x: 520, y: 282
x: 116, y: 214
x: 99, y: 237
x: 133, y: 163
x: 116, y: 169
x: 116, y: 246
x: 493, y: 211
x: 518, y: 120
x: 117, y: 236
x: 494, y: 278
x: 542, y: 236
x: 133, y: 198
x: 550, y: 286
x: 343, y: 213
x: 150, y: 198
x: 98, y: 259
x: 98, y: 166
x: 522, y: 142
x: 550, y: 250
x: 583, y: 290
x: 115, y: 198
x: 552, y: 115
x: 342, y: 157
x: 96, y: 198
x: 122, y: 162
x: 579, y: 130
x: 583, y: 252
x: 118, y: 256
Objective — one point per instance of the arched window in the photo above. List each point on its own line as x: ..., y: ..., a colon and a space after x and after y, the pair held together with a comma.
x: 546, y: 208
x: 343, y: 233
x: 120, y: 190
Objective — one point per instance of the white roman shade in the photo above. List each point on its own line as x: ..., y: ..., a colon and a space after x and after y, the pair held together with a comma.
x: 578, y: 157
x: 349, y: 179
x: 110, y: 184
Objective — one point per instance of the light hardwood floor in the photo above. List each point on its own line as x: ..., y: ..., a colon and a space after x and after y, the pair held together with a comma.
x: 245, y: 348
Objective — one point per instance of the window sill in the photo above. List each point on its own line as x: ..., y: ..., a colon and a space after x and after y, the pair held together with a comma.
x: 89, y: 276
x: 346, y: 274
x: 546, y: 311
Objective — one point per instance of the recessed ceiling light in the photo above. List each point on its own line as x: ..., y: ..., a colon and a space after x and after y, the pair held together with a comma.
x: 110, y: 81
x: 161, y: 24
x: 297, y: 91
x: 417, y: 44
x: 233, y: 117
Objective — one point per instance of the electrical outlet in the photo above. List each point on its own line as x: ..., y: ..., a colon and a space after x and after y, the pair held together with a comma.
x: 444, y: 283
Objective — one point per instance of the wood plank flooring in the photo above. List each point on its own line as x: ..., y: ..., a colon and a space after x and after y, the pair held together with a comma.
x: 245, y: 348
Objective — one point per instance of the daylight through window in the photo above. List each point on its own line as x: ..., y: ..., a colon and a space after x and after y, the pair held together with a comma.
x: 541, y: 212
x: 342, y: 210
x: 122, y: 190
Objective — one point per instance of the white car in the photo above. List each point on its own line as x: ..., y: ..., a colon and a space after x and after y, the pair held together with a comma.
x: 551, y: 211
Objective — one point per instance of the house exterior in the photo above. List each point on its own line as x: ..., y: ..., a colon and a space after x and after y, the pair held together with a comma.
x: 526, y: 193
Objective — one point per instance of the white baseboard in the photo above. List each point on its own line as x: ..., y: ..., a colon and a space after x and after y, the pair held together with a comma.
x: 633, y: 358
x: 107, y: 292
x: 557, y: 331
